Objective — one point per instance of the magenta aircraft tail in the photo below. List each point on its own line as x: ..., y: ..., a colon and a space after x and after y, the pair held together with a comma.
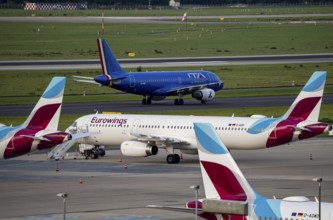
x: 223, y: 180
x: 39, y: 131
x: 46, y: 113
x: 301, y: 120
x: 307, y: 104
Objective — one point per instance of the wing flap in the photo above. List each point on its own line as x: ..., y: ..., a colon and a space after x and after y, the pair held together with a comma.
x: 158, y: 138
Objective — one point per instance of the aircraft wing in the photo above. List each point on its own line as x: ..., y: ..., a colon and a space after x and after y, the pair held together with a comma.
x: 158, y: 138
x: 300, y: 128
x: 87, y: 79
x: 190, y: 89
x: 36, y: 138
x: 175, y: 208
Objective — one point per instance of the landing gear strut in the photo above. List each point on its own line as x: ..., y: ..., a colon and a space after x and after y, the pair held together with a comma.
x: 146, y: 100
x: 173, y: 158
x: 179, y: 101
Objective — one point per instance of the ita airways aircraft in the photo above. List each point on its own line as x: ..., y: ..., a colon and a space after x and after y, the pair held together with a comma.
x: 230, y: 196
x: 143, y: 135
x: 39, y: 131
x: 202, y: 85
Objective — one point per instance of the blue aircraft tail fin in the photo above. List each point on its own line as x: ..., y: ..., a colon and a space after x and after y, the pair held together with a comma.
x: 110, y: 66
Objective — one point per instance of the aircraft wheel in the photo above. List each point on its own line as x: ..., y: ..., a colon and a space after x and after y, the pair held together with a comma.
x: 181, y: 101
x: 148, y: 101
x: 203, y: 102
x: 170, y: 158
x: 144, y: 101
x: 173, y: 158
x: 176, y: 102
x: 177, y: 158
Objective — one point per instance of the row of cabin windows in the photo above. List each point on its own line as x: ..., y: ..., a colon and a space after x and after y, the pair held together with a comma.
x: 168, y: 127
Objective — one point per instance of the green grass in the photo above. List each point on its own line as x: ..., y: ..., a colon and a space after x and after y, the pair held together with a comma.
x: 267, y: 79
x: 222, y: 11
x: 22, y: 41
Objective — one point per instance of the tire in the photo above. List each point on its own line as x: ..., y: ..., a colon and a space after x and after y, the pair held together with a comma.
x: 173, y: 158
x: 170, y: 159
x: 176, y: 158
x: 176, y: 102
x: 181, y: 101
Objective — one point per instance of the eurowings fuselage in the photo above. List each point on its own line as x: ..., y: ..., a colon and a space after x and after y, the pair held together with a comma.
x: 236, y: 132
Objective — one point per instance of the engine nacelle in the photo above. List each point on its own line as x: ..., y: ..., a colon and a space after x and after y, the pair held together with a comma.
x: 137, y: 149
x: 204, y: 95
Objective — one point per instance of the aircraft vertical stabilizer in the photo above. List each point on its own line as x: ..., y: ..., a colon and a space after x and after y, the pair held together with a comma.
x: 46, y: 112
x: 110, y: 65
x: 222, y: 177
x: 307, y: 104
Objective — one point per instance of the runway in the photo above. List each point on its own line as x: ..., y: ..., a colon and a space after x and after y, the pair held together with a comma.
x: 150, y: 19
x: 167, y: 62
x: 29, y: 184
x: 136, y: 106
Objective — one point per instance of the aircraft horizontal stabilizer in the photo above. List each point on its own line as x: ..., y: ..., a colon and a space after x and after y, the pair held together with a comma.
x: 36, y: 138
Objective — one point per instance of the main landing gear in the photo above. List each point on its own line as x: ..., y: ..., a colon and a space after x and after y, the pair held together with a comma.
x: 146, y: 100
x: 173, y: 158
x: 179, y: 101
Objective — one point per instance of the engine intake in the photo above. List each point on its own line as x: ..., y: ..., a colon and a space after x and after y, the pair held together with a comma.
x: 204, y: 95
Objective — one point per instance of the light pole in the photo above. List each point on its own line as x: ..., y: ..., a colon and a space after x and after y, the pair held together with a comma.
x: 319, y: 181
x: 196, y: 188
x: 63, y: 196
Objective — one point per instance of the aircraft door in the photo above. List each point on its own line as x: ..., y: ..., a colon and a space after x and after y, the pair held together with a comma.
x: 132, y: 80
x: 84, y: 128
x: 135, y: 126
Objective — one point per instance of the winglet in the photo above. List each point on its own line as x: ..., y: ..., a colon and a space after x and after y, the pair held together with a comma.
x: 46, y: 112
x: 221, y: 176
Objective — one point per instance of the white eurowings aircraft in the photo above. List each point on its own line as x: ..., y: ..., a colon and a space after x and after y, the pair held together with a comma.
x: 142, y: 135
x: 230, y: 196
x: 39, y: 131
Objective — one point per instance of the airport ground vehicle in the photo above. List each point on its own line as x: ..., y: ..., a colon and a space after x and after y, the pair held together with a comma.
x: 91, y: 151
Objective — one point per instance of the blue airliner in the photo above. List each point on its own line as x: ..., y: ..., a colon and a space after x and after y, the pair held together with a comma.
x: 154, y: 85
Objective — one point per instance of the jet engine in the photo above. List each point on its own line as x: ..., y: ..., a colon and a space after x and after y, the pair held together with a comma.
x: 137, y: 149
x: 204, y: 95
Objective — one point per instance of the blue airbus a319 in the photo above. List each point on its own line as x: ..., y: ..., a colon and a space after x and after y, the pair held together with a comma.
x: 154, y: 85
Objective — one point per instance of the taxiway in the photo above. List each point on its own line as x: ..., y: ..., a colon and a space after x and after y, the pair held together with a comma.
x: 29, y: 184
